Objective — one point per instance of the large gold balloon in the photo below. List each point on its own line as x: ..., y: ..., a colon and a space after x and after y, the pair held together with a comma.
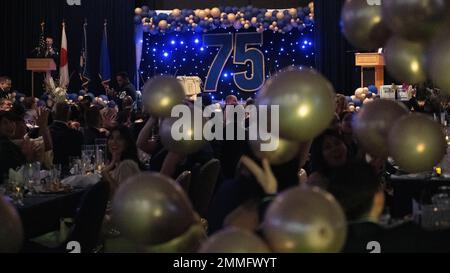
x: 161, y: 94
x: 373, y: 124
x: 284, y: 151
x: 405, y: 60
x: 306, y: 102
x: 233, y: 240
x: 416, y: 20
x: 417, y: 143
x: 305, y: 220
x: 151, y: 209
x: 439, y: 61
x: 11, y: 230
x: 362, y: 25
x: 189, y: 242
x: 191, y: 138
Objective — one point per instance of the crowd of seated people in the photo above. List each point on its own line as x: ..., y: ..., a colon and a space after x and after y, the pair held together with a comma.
x: 333, y: 161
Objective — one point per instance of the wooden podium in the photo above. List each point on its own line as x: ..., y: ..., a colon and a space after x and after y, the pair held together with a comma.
x: 39, y: 65
x: 371, y: 60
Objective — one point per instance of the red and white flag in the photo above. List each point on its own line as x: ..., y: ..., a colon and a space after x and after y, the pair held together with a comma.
x: 63, y: 63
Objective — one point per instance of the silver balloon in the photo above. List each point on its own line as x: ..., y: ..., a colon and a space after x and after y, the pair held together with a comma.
x: 363, y: 26
x: 161, y: 94
x: 151, y: 209
x: 439, y: 61
x: 190, y: 137
x: 284, y: 151
x: 11, y: 230
x: 416, y: 20
x: 305, y: 220
x: 405, y: 60
x: 373, y: 124
x: 417, y: 143
x: 233, y: 240
x: 306, y: 103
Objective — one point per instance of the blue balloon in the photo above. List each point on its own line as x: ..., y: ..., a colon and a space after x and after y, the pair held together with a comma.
x: 137, y: 19
x: 198, y: 29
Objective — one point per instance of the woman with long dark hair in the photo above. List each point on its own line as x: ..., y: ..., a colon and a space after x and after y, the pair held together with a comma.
x: 123, y: 157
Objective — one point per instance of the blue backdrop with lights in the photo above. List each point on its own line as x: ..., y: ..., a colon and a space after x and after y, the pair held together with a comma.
x: 228, y: 61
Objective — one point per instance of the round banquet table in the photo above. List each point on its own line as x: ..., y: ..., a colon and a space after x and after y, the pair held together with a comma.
x: 41, y: 213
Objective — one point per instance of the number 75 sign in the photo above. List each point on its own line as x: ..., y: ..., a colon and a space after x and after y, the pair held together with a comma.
x: 237, y: 44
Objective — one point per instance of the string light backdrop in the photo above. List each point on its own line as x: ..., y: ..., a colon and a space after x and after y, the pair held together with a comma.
x: 185, y: 54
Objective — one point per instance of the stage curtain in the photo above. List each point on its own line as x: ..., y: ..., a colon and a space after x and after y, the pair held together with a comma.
x: 20, y: 28
x: 335, y: 57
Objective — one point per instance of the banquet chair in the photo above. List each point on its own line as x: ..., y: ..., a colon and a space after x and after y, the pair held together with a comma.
x: 184, y: 180
x: 89, y: 219
x: 203, y: 185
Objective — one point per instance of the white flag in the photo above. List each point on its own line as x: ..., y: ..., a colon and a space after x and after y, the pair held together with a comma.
x: 63, y: 64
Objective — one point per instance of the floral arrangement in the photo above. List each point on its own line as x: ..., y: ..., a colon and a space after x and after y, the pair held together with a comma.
x: 56, y: 92
x: 204, y: 20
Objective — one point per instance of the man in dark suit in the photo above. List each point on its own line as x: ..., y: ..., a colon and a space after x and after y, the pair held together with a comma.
x: 67, y: 142
x: 357, y: 188
x: 5, y: 87
x: 125, y: 89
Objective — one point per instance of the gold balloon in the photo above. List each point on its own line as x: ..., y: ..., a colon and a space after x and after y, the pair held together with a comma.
x: 187, y: 144
x: 189, y: 242
x: 293, y: 12
x: 162, y: 24
x: 215, y: 12
x: 233, y: 240
x: 285, y: 150
x: 176, y: 12
x: 280, y: 15
x: 405, y: 60
x: 138, y: 11
x: 363, y: 26
x: 417, y: 143
x: 231, y: 17
x: 373, y: 124
x: 202, y: 14
x: 11, y: 231
x: 306, y: 101
x: 161, y: 94
x: 439, y: 61
x: 415, y: 20
x: 151, y: 209
x: 305, y: 220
